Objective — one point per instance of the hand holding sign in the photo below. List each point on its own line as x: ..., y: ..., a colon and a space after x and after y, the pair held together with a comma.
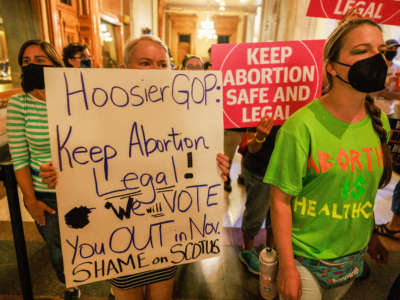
x: 224, y: 165
x: 264, y: 128
x: 351, y: 14
x: 48, y: 174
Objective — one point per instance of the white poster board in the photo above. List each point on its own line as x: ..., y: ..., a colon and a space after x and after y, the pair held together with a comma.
x: 138, y: 185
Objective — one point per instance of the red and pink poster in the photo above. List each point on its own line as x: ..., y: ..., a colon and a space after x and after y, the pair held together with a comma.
x: 270, y: 78
x: 381, y: 11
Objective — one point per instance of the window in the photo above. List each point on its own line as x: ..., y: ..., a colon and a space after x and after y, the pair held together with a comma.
x: 223, y: 39
x: 184, y: 38
x: 68, y: 2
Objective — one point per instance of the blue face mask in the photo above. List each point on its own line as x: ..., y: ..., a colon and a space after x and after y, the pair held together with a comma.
x: 367, y: 75
x: 86, y: 63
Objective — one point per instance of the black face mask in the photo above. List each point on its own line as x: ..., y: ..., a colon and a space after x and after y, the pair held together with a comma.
x: 390, y: 55
x: 86, y: 63
x: 367, y: 75
x: 33, y: 77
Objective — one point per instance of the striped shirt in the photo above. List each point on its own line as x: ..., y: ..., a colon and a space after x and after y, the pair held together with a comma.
x: 28, y: 136
x: 144, y: 278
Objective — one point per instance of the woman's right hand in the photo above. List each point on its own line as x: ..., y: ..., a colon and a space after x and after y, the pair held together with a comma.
x: 264, y: 127
x: 48, y: 174
x: 37, y: 210
x: 289, y: 283
x: 351, y: 14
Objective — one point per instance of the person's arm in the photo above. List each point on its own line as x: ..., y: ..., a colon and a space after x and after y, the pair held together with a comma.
x: 289, y: 281
x: 376, y: 249
x: 36, y: 208
x: 387, y: 95
x: 256, y: 139
x: 19, y: 151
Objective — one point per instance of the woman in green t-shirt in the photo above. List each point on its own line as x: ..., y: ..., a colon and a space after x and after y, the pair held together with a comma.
x: 329, y: 160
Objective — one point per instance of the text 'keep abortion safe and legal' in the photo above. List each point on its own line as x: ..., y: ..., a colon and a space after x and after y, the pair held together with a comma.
x: 271, y: 79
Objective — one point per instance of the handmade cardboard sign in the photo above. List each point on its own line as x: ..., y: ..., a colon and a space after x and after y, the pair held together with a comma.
x: 271, y: 78
x: 138, y: 185
x: 381, y: 11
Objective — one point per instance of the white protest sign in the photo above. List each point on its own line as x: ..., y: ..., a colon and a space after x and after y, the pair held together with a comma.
x: 138, y: 185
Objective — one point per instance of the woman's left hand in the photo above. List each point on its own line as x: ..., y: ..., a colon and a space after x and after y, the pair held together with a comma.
x: 48, y: 174
x: 376, y: 250
x: 224, y: 165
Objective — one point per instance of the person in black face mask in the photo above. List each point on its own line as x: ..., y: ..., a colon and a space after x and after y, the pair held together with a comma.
x: 76, y: 55
x: 392, y: 47
x: 144, y: 53
x: 386, y: 99
x: 329, y: 157
x: 29, y: 141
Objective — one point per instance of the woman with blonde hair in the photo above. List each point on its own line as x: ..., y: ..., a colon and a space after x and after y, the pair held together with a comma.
x: 146, y: 52
x: 329, y: 160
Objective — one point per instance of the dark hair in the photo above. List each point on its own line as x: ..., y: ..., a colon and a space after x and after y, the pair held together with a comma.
x: 70, y: 50
x: 47, y: 48
x: 188, y: 57
x: 332, y: 49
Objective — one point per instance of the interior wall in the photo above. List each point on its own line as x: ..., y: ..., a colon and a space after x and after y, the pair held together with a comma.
x: 126, y: 19
x: 392, y: 32
x: 203, y: 44
x: 286, y: 20
x: 112, y: 6
x: 18, y: 32
x: 142, y: 16
x: 115, y: 10
x: 251, y: 18
x: 182, y: 24
x: 323, y: 27
x: 241, y: 27
x: 232, y: 26
x: 154, y: 17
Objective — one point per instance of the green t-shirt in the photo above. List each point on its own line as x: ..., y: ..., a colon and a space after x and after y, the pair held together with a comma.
x: 332, y: 169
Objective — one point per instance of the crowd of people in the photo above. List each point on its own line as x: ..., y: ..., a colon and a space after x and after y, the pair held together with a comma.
x: 289, y: 183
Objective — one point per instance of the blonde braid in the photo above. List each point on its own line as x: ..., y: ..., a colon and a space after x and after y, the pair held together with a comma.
x: 375, y: 114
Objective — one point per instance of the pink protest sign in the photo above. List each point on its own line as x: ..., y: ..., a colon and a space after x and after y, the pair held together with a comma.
x: 381, y: 11
x: 270, y: 78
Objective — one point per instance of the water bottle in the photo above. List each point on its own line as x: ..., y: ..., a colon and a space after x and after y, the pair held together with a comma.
x: 268, y: 268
